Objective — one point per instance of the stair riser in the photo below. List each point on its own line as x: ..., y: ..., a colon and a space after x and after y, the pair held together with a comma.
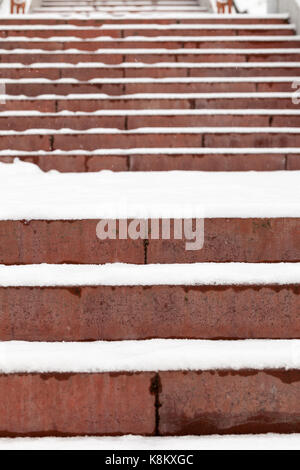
x: 109, y: 141
x: 118, y: 58
x: 113, y: 404
x: 21, y: 123
x: 86, y: 105
x: 218, y: 162
x: 136, y: 313
x: 226, y: 240
x: 36, y: 89
x: 84, y: 74
x: 120, y: 33
x: 117, y: 45
x: 156, y: 20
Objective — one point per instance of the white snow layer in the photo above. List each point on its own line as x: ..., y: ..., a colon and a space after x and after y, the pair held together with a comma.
x: 119, y: 274
x: 156, y: 26
x: 154, y: 39
x: 157, y: 130
x: 158, y: 151
x: 182, y: 51
x: 129, y: 442
x: 137, y: 16
x: 192, y: 65
x: 31, y: 194
x: 148, y: 355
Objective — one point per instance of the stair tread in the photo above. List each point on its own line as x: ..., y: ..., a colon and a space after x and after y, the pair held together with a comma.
x: 94, y: 196
x: 151, y: 355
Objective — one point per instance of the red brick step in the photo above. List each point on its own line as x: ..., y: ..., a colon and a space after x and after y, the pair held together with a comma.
x: 75, y: 242
x: 91, y: 313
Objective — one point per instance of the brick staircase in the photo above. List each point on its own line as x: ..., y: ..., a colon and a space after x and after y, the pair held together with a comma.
x: 91, y: 347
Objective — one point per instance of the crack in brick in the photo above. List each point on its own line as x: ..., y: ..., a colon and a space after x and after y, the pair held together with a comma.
x: 156, y: 389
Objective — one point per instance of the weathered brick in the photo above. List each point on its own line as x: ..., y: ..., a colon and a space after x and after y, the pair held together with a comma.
x: 88, y: 73
x: 44, y: 106
x: 111, y: 162
x: 40, y: 241
x: 76, y: 404
x: 49, y: 33
x: 21, y: 123
x: 215, y: 162
x: 293, y: 162
x: 245, y: 71
x: 286, y: 121
x: 256, y: 139
x: 90, y: 105
x: 25, y: 142
x: 36, y: 89
x: 191, y: 120
x: 238, y: 240
x: 24, y: 72
x: 132, y: 88
x: 126, y: 141
x: 211, y: 57
x: 155, y: 72
x: 73, y: 58
x: 244, y: 103
x: 229, y: 402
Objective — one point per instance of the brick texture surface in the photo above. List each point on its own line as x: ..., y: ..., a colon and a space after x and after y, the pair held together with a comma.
x: 76, y: 404
x: 226, y: 240
x: 130, y: 313
x: 229, y: 402
x: 63, y: 242
x: 239, y: 240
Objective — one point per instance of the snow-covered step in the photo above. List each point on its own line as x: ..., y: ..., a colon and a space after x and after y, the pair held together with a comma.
x: 249, y: 217
x: 120, y: 9
x: 216, y: 376
x: 148, y: 3
x: 110, y: 302
x: 73, y: 27
x: 149, y: 356
x: 171, y: 17
x: 216, y: 442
